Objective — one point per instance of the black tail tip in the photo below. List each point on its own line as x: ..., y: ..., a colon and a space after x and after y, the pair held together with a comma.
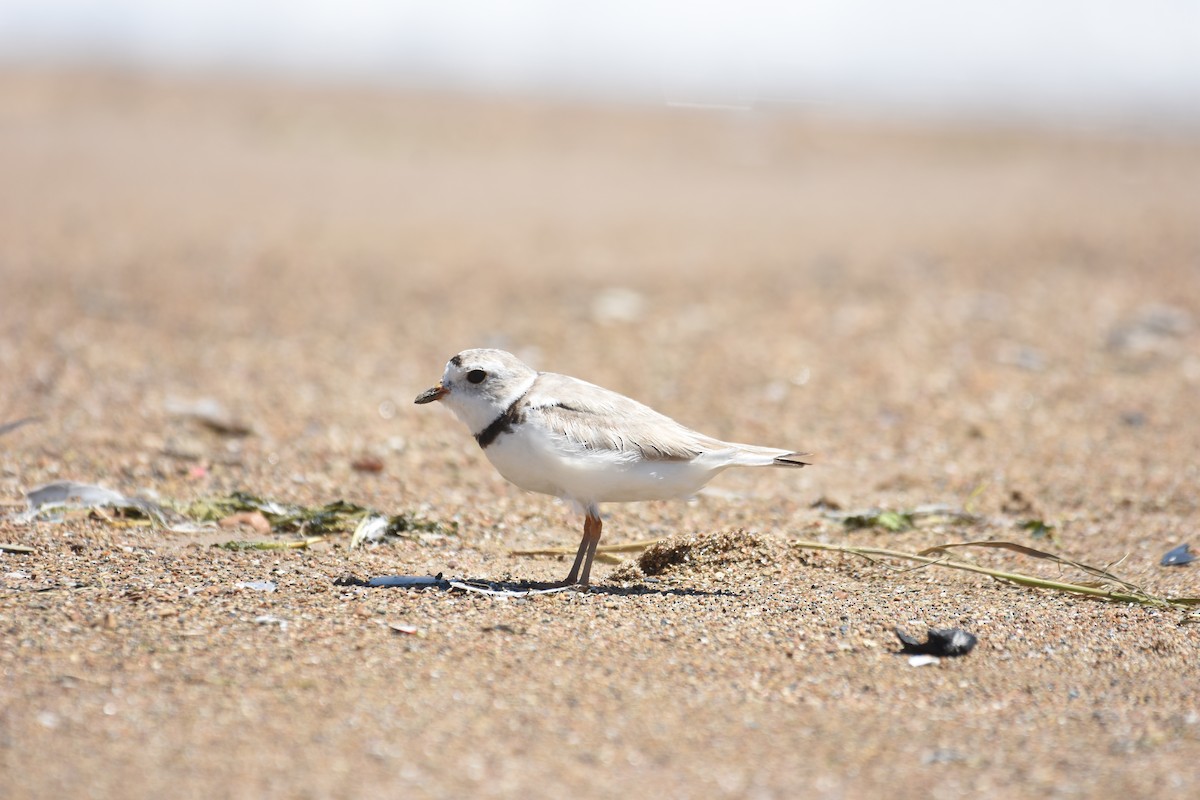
x: 795, y: 460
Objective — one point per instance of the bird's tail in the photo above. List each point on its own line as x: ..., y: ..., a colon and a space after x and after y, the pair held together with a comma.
x: 793, y: 460
x: 752, y: 455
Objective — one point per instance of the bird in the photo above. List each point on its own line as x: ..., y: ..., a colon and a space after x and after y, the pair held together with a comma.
x: 582, y: 443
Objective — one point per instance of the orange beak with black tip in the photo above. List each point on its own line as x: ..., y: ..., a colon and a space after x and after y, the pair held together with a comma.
x: 429, y: 395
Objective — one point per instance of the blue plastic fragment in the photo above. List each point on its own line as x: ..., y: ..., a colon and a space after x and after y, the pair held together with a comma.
x: 409, y: 581
x: 1179, y: 556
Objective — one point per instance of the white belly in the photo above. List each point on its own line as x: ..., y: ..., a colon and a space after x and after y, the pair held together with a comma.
x: 532, y: 460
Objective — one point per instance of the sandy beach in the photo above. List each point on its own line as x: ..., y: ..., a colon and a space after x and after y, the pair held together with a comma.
x: 999, y: 322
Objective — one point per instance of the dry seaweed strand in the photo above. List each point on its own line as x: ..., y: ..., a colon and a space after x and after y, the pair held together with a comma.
x: 939, y: 556
x: 302, y: 544
x: 604, y: 553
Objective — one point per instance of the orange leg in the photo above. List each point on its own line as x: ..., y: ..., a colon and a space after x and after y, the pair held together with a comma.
x: 587, y: 551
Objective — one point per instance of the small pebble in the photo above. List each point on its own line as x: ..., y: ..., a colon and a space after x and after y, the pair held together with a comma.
x: 940, y: 642
x: 258, y: 586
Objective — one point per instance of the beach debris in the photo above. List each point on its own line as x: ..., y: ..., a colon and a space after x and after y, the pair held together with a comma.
x: 63, y: 494
x: 1105, y: 585
x: 371, y: 528
x: 1039, y: 529
x: 402, y: 581
x: 367, y: 464
x: 335, y: 517
x: 302, y: 544
x: 1018, y: 504
x: 923, y: 660
x: 1178, y: 556
x: 940, y: 642
x: 888, y: 520
x: 70, y: 495
x: 271, y: 619
x: 902, y: 520
x: 257, y: 586
x: 230, y: 511
x: 211, y: 414
x: 400, y: 627
x: 16, y: 548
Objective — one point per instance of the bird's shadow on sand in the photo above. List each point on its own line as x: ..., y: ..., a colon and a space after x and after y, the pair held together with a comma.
x: 520, y: 588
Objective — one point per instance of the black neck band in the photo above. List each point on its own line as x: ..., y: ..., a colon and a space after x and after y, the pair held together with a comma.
x: 501, y: 424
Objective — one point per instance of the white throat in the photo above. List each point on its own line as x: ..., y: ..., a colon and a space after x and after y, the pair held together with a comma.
x: 477, y: 411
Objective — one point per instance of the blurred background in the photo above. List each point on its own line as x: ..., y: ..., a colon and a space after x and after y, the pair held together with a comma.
x: 945, y: 245
x: 1067, y: 61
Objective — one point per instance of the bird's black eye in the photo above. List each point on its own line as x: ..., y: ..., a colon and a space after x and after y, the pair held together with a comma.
x: 476, y: 376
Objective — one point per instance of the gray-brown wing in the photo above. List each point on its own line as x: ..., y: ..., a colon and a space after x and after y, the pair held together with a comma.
x: 600, y: 419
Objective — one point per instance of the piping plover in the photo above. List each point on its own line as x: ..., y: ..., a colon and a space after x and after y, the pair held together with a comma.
x: 588, y: 445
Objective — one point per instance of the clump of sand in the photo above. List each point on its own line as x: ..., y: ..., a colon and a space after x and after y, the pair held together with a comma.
x: 708, y: 550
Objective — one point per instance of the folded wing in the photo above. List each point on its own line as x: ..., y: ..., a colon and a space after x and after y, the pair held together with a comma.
x: 595, y: 418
